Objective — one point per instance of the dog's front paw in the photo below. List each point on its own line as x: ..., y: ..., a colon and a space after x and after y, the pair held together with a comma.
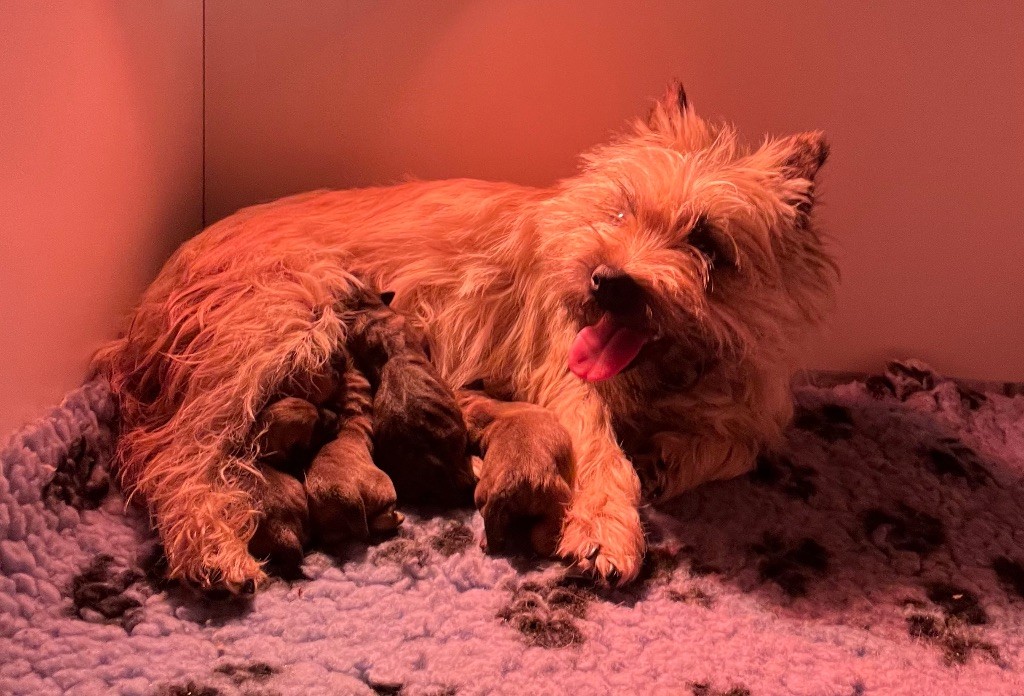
x: 607, y: 541
x: 534, y: 497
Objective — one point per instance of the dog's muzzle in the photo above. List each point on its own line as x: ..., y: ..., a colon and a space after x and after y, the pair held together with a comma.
x: 616, y: 291
x: 605, y: 348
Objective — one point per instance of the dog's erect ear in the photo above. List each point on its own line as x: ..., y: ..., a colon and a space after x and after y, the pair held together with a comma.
x: 666, y: 114
x: 672, y: 119
x: 803, y: 154
x: 387, y: 296
x: 798, y: 159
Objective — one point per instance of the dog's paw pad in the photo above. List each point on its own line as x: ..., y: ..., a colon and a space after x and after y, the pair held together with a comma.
x: 616, y: 555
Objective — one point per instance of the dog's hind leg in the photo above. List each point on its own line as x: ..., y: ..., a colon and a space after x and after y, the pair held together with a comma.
x: 200, y: 504
x: 679, y: 462
x: 199, y: 364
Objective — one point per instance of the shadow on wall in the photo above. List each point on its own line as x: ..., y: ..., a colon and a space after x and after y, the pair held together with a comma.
x: 102, y: 140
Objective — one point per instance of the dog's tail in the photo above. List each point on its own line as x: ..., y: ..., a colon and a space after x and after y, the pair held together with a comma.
x: 204, y: 354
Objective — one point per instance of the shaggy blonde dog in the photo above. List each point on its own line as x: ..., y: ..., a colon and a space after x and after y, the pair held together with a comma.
x: 653, y: 303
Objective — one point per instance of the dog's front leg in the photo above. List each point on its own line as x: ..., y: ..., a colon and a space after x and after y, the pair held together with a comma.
x: 677, y: 462
x: 602, y: 530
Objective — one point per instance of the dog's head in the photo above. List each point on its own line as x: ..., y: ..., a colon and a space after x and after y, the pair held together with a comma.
x: 677, y: 243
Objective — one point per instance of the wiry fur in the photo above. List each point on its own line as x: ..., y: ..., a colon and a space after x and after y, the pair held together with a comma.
x: 498, y: 276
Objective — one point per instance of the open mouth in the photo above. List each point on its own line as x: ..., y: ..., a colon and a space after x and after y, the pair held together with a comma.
x: 605, y: 349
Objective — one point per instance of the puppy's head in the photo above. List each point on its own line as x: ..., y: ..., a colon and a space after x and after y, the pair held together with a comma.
x: 677, y: 244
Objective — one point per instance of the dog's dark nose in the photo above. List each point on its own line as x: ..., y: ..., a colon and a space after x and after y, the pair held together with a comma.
x: 615, y: 290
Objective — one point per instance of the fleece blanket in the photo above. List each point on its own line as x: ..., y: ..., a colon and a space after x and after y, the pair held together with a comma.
x: 882, y: 552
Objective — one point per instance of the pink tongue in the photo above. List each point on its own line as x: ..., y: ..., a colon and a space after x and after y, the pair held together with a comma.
x: 604, y: 349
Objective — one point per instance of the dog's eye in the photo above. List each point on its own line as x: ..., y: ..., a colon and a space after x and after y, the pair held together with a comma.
x: 703, y: 239
x: 623, y: 206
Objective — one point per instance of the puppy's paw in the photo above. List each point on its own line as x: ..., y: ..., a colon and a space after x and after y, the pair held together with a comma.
x: 349, y: 498
x: 534, y: 498
x: 286, y: 428
x: 653, y: 474
x: 607, y: 541
x: 283, y: 528
x: 378, y: 497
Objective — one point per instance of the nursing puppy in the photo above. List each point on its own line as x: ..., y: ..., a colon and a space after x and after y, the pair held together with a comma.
x: 419, y: 435
x: 655, y: 299
x: 376, y: 418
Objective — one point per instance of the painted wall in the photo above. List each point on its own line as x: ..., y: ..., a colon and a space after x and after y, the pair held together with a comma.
x: 100, y: 177
x: 923, y: 103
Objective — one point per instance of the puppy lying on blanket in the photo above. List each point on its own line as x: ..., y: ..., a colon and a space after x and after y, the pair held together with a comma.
x: 346, y: 439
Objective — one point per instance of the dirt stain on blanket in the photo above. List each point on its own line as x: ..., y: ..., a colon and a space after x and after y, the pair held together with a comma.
x: 105, y: 592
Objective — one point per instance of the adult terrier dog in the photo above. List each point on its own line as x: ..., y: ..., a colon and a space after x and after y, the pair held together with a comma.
x: 653, y: 303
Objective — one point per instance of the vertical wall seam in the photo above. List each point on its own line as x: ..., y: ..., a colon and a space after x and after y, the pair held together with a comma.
x: 202, y: 192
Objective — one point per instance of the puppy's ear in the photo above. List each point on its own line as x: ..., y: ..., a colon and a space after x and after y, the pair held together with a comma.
x: 387, y: 297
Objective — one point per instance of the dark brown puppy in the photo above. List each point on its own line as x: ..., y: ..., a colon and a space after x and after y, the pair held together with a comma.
x: 283, y: 528
x: 525, y: 466
x: 336, y: 427
x: 318, y: 478
x: 419, y: 435
x: 348, y: 496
